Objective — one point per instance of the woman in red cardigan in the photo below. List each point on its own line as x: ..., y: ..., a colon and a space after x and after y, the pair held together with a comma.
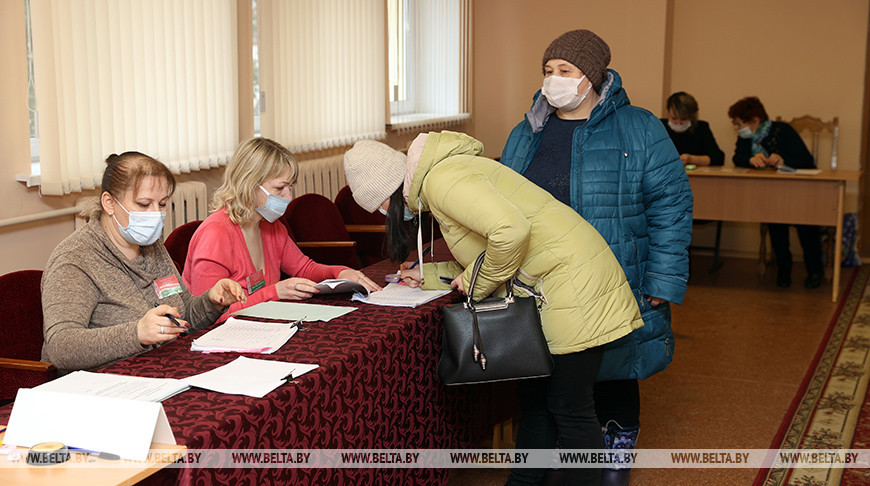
x: 242, y: 239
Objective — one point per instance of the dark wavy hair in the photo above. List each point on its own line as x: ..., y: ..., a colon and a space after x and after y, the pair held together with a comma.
x: 747, y: 109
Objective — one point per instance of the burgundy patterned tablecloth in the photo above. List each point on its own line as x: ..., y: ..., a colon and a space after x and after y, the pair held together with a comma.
x: 375, y: 388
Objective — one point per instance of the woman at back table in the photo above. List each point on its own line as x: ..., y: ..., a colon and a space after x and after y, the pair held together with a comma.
x: 243, y: 240
x: 692, y: 137
x: 108, y: 288
x: 762, y: 143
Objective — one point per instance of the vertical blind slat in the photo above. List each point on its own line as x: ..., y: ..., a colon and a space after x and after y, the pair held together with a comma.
x: 111, y: 76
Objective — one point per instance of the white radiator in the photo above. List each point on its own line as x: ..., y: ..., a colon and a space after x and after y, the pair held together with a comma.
x: 188, y: 203
x: 322, y: 176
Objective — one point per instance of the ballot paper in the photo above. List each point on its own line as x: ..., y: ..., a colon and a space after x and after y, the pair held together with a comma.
x: 115, y: 386
x: 400, y: 295
x: 241, y: 336
x: 291, y: 311
x: 248, y: 376
x: 340, y: 285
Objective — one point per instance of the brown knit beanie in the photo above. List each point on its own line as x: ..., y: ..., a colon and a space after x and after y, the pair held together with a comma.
x: 585, y: 50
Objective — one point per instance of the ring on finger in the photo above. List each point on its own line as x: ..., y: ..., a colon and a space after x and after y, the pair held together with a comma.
x: 161, y: 330
x: 296, y: 286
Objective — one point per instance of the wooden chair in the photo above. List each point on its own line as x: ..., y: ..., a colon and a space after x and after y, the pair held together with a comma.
x: 21, y: 337
x: 815, y: 128
x: 315, y: 224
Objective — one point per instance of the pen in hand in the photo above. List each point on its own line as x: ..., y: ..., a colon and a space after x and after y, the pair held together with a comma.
x: 171, y: 318
x: 425, y: 251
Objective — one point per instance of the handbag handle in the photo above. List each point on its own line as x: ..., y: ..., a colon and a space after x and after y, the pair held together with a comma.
x: 477, y: 348
x: 470, y: 294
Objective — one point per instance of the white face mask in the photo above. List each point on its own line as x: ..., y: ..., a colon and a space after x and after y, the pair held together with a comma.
x: 561, y: 92
x: 274, y: 207
x: 679, y: 128
x: 744, y: 132
x: 144, y: 227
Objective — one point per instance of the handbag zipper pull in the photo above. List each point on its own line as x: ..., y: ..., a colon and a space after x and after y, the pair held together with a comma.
x: 483, y: 361
x: 476, y: 353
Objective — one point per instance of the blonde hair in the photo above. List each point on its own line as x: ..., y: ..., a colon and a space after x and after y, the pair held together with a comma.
x: 254, y: 161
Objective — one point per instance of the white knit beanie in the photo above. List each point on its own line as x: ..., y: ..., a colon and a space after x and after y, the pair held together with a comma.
x: 374, y: 171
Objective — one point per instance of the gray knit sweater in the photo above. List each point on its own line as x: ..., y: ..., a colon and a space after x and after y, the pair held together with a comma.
x: 93, y: 297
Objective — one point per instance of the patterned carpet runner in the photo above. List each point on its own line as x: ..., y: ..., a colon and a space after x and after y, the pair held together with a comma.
x: 830, y: 410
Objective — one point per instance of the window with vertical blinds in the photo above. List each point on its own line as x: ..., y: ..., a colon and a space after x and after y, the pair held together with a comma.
x: 429, y: 43
x: 155, y: 76
x: 322, y: 72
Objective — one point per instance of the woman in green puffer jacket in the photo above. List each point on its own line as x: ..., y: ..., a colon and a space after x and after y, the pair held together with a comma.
x: 483, y: 205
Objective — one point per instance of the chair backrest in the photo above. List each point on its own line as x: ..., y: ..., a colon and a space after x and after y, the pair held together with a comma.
x: 21, y: 337
x: 369, y: 245
x: 815, y: 127
x: 315, y: 218
x: 178, y: 242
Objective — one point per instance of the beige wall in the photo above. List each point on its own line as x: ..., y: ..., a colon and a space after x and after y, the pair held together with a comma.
x: 510, y: 36
x: 799, y: 56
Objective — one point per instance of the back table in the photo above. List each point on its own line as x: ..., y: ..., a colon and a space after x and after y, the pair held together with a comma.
x: 375, y: 388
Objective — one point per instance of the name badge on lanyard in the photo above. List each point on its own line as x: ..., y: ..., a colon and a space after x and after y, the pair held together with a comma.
x: 166, y: 286
x: 255, y: 281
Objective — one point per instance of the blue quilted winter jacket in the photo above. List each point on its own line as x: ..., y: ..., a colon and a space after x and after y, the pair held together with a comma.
x: 628, y: 182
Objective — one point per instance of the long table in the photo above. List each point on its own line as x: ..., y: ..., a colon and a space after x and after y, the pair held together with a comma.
x: 375, y: 388
x: 765, y: 196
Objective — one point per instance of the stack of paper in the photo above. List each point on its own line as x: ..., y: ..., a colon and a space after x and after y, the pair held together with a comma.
x: 241, y: 336
x: 115, y: 386
x: 251, y: 377
x: 400, y: 295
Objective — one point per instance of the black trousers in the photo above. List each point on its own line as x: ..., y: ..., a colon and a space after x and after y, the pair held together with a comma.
x: 811, y: 242
x: 560, y: 407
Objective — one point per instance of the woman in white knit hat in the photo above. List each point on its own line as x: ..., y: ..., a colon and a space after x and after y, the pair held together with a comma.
x: 483, y: 205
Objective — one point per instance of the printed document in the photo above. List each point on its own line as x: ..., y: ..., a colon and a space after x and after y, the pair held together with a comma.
x: 115, y: 386
x: 292, y: 311
x: 400, y: 295
x: 248, y: 376
x: 241, y: 336
x: 340, y: 285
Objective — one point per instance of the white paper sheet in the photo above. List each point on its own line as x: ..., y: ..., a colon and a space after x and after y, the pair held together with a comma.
x: 399, y: 295
x: 241, y: 336
x: 248, y: 376
x: 116, y: 386
x: 291, y: 311
x: 113, y: 425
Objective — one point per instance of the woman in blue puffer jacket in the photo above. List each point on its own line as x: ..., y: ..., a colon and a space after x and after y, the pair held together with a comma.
x: 615, y: 165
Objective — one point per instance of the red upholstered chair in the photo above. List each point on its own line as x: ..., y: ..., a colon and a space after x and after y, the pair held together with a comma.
x: 21, y: 334
x: 178, y: 242
x: 317, y: 228
x: 366, y: 228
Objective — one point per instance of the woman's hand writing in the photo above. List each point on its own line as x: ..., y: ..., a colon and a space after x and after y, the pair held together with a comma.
x: 154, y: 327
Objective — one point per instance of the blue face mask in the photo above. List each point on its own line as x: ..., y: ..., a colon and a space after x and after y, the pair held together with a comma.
x: 745, y: 132
x: 274, y: 207
x: 144, y: 227
x: 407, y: 215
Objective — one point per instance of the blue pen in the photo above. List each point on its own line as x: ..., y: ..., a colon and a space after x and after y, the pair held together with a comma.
x: 170, y: 317
x: 101, y: 455
x: 425, y: 251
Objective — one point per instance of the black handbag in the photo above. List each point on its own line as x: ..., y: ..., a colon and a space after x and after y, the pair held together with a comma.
x: 495, y: 339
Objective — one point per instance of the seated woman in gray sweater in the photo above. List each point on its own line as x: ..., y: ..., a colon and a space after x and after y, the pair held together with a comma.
x: 108, y: 289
